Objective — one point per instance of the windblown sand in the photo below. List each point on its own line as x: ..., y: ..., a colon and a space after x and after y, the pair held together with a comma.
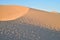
x: 12, y: 12
x: 36, y: 17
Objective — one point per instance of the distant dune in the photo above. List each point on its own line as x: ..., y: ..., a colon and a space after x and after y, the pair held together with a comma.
x: 31, y: 16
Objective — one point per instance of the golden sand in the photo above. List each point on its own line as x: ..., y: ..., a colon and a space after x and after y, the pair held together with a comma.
x: 49, y: 20
x: 12, y: 12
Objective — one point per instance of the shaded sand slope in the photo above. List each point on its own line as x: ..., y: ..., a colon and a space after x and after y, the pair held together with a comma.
x: 12, y: 30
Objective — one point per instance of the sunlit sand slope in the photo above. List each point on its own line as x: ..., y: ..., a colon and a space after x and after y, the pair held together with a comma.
x: 30, y: 16
x: 11, y: 12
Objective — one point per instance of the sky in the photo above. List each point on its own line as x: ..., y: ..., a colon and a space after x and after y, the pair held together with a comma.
x: 47, y: 5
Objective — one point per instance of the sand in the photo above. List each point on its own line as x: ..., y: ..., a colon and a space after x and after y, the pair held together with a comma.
x: 47, y: 19
x: 12, y: 12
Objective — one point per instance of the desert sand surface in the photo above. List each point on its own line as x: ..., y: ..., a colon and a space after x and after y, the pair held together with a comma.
x: 11, y: 12
x: 31, y: 16
x: 44, y: 18
x: 32, y: 25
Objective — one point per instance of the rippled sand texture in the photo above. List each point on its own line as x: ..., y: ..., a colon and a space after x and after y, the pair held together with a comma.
x: 14, y: 31
x: 43, y: 18
x: 31, y: 16
x: 20, y: 23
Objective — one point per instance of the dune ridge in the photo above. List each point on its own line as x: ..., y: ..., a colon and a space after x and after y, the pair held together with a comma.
x: 8, y: 12
x: 33, y: 16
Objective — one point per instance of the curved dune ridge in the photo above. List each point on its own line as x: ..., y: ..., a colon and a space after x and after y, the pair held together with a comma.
x: 12, y: 12
x: 49, y: 20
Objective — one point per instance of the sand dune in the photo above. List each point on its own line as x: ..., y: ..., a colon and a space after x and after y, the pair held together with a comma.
x: 36, y: 17
x: 22, y: 23
x: 12, y: 12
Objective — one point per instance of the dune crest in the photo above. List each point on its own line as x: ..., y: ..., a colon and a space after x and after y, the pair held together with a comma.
x: 50, y: 20
x: 12, y: 12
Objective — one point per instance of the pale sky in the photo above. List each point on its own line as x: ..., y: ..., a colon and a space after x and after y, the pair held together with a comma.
x: 48, y: 5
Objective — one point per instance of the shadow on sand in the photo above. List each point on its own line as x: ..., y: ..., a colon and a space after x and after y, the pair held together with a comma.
x: 13, y: 31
